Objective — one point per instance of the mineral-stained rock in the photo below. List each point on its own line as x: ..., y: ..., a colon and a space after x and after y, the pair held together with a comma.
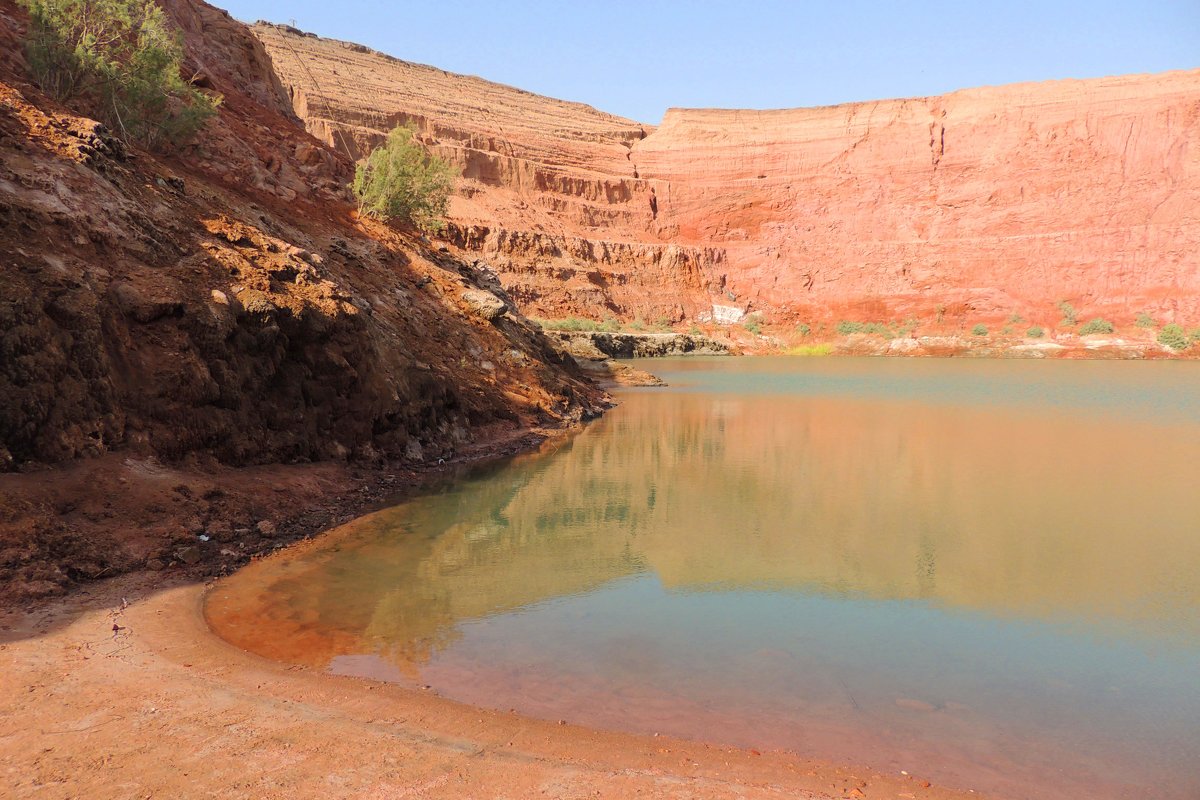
x: 975, y: 205
x: 146, y: 303
x: 189, y: 555
x: 484, y: 304
x: 602, y: 344
x: 220, y: 530
x: 610, y: 372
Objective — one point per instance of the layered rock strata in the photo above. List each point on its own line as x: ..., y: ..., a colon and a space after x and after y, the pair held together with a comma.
x: 977, y: 205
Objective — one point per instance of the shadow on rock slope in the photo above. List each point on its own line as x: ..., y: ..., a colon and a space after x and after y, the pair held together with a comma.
x: 219, y: 307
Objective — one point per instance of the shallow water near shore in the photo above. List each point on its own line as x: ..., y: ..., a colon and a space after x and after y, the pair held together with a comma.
x: 983, y: 572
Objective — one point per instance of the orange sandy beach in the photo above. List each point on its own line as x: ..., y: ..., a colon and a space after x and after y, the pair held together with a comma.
x: 121, y: 690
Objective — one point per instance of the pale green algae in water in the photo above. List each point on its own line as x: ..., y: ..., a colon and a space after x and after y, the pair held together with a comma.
x: 987, y: 572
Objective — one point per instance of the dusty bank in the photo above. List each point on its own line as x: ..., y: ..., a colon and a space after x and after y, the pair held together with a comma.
x: 121, y: 691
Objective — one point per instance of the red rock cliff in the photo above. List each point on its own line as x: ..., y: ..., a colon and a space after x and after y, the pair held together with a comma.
x: 975, y: 205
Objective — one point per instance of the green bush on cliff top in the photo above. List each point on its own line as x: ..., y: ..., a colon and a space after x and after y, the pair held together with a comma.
x: 123, y: 58
x: 400, y: 180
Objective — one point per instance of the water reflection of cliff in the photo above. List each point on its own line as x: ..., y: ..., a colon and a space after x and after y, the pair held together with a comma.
x: 1011, y: 513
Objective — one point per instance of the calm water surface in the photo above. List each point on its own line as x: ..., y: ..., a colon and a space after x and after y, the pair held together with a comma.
x: 984, y: 572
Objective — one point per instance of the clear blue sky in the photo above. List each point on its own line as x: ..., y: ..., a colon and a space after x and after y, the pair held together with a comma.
x: 637, y: 59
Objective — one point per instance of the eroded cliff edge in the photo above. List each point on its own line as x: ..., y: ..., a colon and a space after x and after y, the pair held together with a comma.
x: 970, y: 207
x: 166, y: 320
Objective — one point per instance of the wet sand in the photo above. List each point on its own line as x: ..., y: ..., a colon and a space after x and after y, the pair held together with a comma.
x: 158, y: 706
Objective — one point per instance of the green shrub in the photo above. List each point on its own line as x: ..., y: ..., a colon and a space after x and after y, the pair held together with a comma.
x: 401, y: 181
x: 1144, y: 320
x: 1174, y: 337
x: 753, y: 322
x: 695, y: 331
x: 610, y: 325
x: 1096, y: 325
x: 878, y: 329
x: 1068, y: 314
x: 578, y: 324
x: 568, y: 324
x: 979, y: 330
x: 822, y: 349
x: 1015, y: 319
x: 1194, y: 335
x: 803, y: 329
x: 846, y: 328
x: 123, y: 58
x: 1035, y: 332
x: 637, y: 325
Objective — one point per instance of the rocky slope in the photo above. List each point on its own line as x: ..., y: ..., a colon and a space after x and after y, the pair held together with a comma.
x: 953, y: 210
x: 224, y: 305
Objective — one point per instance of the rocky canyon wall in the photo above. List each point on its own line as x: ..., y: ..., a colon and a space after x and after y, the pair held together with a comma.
x: 223, y: 300
x: 972, y: 206
x: 994, y: 200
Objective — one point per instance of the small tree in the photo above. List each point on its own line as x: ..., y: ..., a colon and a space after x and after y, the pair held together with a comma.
x: 400, y: 180
x: 124, y: 58
x: 1174, y: 337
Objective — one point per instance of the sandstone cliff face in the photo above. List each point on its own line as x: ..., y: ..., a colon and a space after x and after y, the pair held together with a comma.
x: 550, y: 193
x: 968, y: 207
x: 1001, y: 199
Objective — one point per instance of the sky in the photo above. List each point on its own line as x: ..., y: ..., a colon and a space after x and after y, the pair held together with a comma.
x: 637, y: 59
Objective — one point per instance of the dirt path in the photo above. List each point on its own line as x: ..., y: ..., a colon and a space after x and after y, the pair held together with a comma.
x: 160, y: 707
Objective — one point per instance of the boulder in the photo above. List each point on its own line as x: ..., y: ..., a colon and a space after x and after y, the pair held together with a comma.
x: 484, y: 304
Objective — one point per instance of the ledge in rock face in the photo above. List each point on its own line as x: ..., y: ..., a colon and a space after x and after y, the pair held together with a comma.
x: 598, y: 345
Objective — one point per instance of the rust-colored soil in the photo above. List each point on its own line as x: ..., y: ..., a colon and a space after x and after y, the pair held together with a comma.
x: 99, y: 699
x: 100, y: 517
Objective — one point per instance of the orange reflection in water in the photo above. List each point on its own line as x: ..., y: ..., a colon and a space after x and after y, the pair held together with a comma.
x: 1055, y: 513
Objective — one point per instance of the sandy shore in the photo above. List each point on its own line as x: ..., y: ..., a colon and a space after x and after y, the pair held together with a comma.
x: 158, y: 706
